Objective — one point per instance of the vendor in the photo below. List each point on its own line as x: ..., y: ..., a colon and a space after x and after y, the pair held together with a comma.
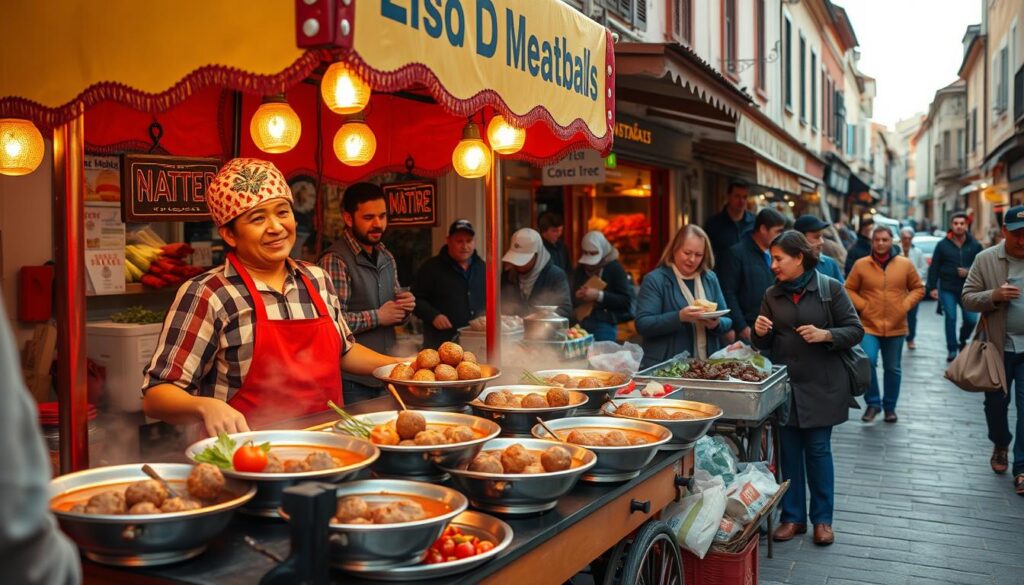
x: 260, y: 338
x: 599, y: 309
x: 531, y: 279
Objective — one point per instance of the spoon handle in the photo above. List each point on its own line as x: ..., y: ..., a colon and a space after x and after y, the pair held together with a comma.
x: 152, y: 473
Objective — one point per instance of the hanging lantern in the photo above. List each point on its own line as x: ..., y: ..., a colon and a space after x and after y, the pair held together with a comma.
x: 275, y: 127
x: 344, y: 92
x: 21, y: 147
x: 354, y: 143
x: 472, y: 158
x: 504, y: 137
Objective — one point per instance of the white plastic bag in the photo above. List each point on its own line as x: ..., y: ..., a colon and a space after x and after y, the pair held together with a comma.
x: 612, y: 357
x: 750, y: 491
x: 696, y: 520
x: 714, y: 456
x: 702, y: 480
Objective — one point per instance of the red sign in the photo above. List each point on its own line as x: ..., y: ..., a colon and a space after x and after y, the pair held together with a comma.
x: 165, y: 188
x: 411, y: 204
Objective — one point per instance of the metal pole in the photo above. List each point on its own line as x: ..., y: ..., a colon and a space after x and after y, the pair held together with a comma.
x: 495, y: 187
x: 69, y: 243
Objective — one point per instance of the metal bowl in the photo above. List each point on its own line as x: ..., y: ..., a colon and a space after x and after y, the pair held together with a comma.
x: 271, y: 486
x: 517, y: 422
x: 470, y: 523
x: 144, y: 539
x: 613, y: 463
x: 684, y: 432
x: 595, y: 396
x: 421, y: 462
x: 518, y: 493
x: 438, y: 395
x: 373, y: 547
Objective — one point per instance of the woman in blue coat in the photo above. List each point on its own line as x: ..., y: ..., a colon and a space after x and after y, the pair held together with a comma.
x: 666, y: 317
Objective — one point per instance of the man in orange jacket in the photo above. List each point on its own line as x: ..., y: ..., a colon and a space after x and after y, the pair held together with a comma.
x: 884, y: 287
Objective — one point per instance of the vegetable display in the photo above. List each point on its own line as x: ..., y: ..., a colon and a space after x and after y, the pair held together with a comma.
x: 454, y: 545
x: 715, y: 369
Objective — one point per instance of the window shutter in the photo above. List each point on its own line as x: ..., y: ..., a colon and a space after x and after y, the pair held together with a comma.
x: 640, y: 14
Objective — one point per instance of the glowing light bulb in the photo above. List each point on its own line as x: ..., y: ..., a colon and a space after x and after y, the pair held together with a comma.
x: 343, y: 91
x: 471, y: 157
x: 275, y: 127
x: 22, y: 147
x: 355, y: 143
x: 505, y: 138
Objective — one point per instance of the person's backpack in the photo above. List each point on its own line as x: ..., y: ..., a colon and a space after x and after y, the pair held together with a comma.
x: 855, y: 361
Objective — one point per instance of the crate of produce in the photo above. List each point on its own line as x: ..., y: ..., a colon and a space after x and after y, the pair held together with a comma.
x: 722, y: 568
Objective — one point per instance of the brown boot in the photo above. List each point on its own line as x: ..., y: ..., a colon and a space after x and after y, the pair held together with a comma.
x: 1000, y: 459
x: 823, y: 535
x: 787, y: 530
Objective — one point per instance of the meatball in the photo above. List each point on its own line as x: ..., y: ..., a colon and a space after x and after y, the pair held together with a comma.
x: 533, y: 469
x: 450, y: 353
x: 205, y: 482
x: 515, y: 458
x: 384, y: 435
x: 445, y: 373
x: 407, y: 442
x: 487, y: 462
x: 274, y: 464
x: 179, y: 505
x: 77, y: 509
x: 656, y: 412
x: 428, y: 359
x: 515, y: 401
x: 589, y: 383
x: 149, y: 490
x: 430, y: 437
x: 410, y: 424
x: 562, y: 379
x: 637, y: 440
x: 496, y: 399
x: 361, y: 521
x: 680, y: 415
x: 395, y: 512
x: 402, y: 372
x: 557, y: 397
x: 627, y: 409
x: 617, y: 380
x: 468, y: 356
x: 144, y: 508
x: 295, y: 466
x: 108, y: 502
x: 555, y: 459
x: 615, y: 439
x: 350, y: 508
x: 533, y: 400
x: 424, y: 376
x: 459, y: 434
x: 468, y: 371
x: 321, y: 460
x: 581, y: 438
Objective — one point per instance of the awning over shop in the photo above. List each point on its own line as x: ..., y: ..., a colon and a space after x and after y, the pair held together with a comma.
x: 772, y: 148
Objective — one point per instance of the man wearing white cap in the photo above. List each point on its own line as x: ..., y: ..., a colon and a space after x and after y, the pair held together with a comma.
x: 599, y: 309
x: 260, y: 338
x: 531, y: 279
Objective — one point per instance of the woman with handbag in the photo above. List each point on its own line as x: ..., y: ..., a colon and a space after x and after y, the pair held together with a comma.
x: 808, y: 330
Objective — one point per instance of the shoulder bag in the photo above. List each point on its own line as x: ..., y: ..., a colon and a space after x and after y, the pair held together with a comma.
x: 979, y: 367
x: 855, y: 361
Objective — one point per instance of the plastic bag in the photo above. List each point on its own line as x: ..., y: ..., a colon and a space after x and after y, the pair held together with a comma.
x: 612, y: 357
x: 714, y: 456
x: 702, y: 480
x: 743, y: 352
x: 696, y: 519
x: 727, y: 529
x: 750, y: 491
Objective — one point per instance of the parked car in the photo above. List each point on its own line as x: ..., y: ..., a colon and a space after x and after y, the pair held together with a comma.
x: 926, y: 244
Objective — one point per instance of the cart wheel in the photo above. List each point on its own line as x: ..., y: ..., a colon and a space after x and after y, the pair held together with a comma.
x: 611, y: 569
x: 652, y: 558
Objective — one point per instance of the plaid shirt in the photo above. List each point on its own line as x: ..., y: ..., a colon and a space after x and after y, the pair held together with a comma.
x: 335, y: 266
x: 206, y: 344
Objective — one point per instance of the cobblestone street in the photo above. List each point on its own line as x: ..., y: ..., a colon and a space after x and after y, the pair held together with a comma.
x: 916, y: 501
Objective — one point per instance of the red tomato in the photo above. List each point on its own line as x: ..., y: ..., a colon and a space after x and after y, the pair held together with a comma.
x: 448, y: 547
x: 450, y: 559
x: 249, y: 458
x: 434, y: 557
x: 484, y: 546
x: 465, y: 550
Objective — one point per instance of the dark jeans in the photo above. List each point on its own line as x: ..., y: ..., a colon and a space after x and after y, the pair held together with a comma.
x: 997, y: 410
x: 353, y: 391
x: 891, y: 349
x: 602, y: 330
x: 912, y: 323
x: 950, y: 301
x: 807, y: 459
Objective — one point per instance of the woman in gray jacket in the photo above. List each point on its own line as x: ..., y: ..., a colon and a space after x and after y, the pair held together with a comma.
x: 806, y: 335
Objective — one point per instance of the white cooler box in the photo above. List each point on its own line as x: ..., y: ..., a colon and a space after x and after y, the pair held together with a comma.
x: 124, y: 350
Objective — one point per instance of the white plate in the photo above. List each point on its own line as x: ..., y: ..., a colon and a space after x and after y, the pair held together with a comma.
x: 713, y: 314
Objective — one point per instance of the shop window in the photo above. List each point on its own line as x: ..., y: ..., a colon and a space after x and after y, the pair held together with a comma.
x: 681, y: 19
x: 622, y: 209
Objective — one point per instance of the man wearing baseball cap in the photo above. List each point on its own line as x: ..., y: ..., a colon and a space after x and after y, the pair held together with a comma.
x: 531, y: 279
x: 450, y: 287
x: 260, y: 338
x: 993, y: 288
x: 813, y: 229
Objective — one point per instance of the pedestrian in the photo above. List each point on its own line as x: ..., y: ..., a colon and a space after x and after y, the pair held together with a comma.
x: 884, y: 287
x: 813, y: 229
x: 951, y: 261
x: 600, y: 310
x: 993, y: 288
x: 847, y: 237
x: 365, y: 276
x: 450, y: 289
x: 734, y: 220
x: 531, y: 278
x: 916, y: 257
x: 862, y: 247
x: 807, y: 335
x: 552, y: 227
x: 746, y: 271
x: 667, y: 316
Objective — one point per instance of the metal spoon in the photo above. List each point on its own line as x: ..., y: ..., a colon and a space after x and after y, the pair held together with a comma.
x: 550, y: 432
x: 152, y: 473
x: 394, y: 393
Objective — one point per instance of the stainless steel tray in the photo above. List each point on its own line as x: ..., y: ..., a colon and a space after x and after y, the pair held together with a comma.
x: 747, y: 401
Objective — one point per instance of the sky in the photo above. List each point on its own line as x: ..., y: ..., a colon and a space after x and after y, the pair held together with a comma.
x: 912, y: 47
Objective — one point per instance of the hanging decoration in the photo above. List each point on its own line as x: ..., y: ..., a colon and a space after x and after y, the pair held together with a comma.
x: 275, y: 127
x: 504, y: 137
x: 355, y: 143
x: 21, y: 147
x: 471, y: 158
x: 343, y: 91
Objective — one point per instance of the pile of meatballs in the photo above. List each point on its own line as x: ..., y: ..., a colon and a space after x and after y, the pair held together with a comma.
x: 654, y: 412
x: 205, y: 486
x: 602, y: 438
x: 315, y: 461
x: 567, y: 381
x: 447, y: 363
x: 410, y: 428
x: 356, y: 510
x: 553, y: 398
x: 518, y: 459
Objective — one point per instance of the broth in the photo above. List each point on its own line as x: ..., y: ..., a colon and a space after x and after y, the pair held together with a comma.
x: 63, y: 502
x: 300, y: 452
x: 689, y: 413
x: 576, y: 461
x: 631, y: 434
x: 431, y: 507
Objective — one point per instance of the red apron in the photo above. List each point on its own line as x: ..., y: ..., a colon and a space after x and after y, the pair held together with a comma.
x: 296, y: 363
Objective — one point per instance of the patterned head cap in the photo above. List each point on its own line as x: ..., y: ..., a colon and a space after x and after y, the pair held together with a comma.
x: 244, y: 183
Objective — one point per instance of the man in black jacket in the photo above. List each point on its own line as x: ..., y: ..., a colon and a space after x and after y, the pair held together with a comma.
x: 726, y: 227
x: 862, y: 247
x: 551, y: 227
x: 951, y: 261
x: 746, y: 272
x: 450, y: 287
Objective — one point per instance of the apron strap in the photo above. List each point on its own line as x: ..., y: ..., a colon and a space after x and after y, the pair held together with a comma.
x: 257, y: 298
x: 318, y: 301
